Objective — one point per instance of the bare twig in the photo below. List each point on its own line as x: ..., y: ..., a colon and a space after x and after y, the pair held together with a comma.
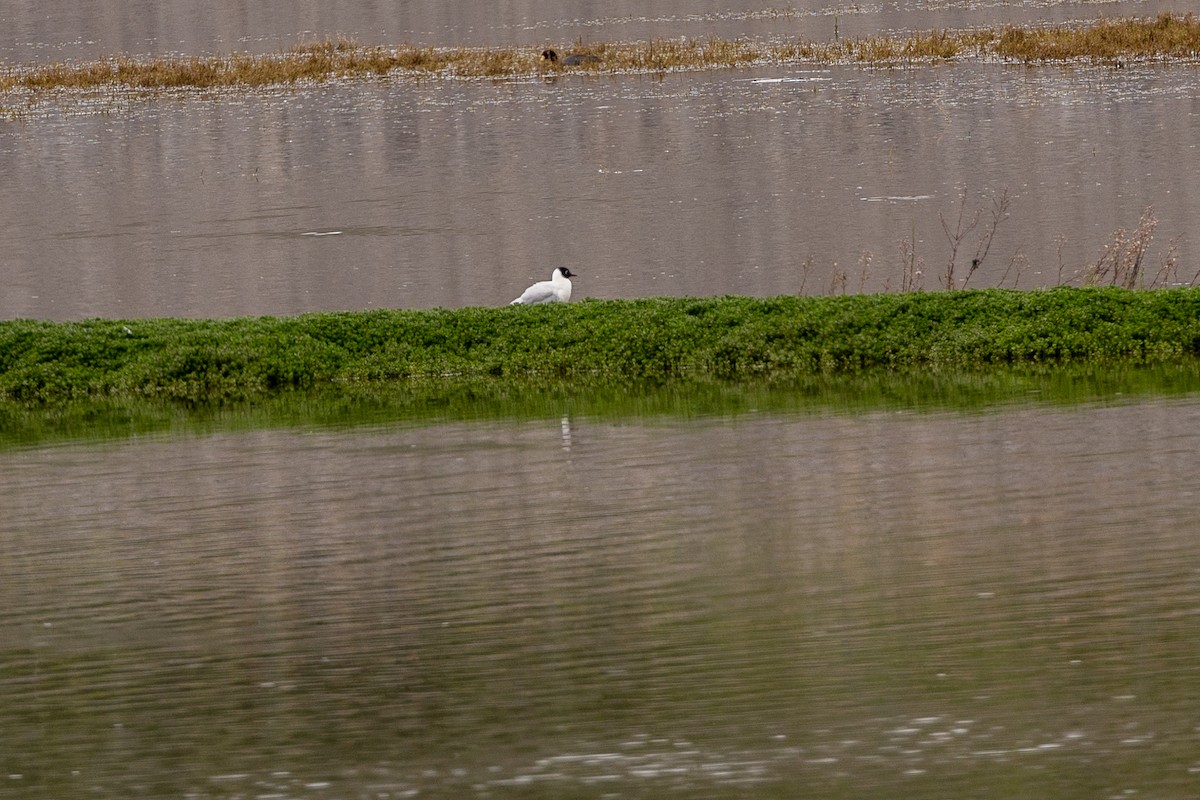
x: 838, y: 281
x: 1018, y: 261
x: 1061, y: 241
x: 1168, y: 271
x: 1021, y: 262
x: 999, y: 214
x: 911, y: 275
x: 1097, y: 273
x: 963, y: 227
x: 955, y: 238
x: 805, y: 268
x: 864, y: 268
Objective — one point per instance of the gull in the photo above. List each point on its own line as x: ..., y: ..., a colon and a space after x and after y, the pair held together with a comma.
x: 555, y: 290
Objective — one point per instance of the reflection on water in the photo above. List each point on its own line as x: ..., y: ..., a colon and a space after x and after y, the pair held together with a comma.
x: 936, y: 605
x: 878, y: 604
x: 456, y: 193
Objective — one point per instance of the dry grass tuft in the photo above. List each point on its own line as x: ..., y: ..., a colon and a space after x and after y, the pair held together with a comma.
x: 1123, y: 262
x: 1166, y: 36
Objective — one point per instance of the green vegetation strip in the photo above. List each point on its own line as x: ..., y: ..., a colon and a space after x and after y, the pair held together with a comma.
x: 691, y: 398
x: 1164, y: 37
x: 591, y: 342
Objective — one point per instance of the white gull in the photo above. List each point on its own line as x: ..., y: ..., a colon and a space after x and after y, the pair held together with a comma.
x: 555, y: 290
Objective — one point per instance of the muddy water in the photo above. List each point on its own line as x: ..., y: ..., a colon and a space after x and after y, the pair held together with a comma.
x: 885, y: 604
x: 760, y: 182
x: 998, y: 604
x: 57, y: 30
x: 764, y: 181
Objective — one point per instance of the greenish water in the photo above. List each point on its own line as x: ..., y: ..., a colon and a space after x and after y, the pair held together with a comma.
x: 724, y: 592
x: 419, y: 403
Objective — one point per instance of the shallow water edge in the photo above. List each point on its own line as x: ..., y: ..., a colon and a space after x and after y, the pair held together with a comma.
x: 1166, y: 37
x: 922, y: 391
x: 838, y: 605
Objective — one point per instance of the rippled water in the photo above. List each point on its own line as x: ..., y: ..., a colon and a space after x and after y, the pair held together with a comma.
x: 990, y: 604
x: 997, y: 604
x: 58, y: 29
x: 761, y: 182
x: 439, y: 193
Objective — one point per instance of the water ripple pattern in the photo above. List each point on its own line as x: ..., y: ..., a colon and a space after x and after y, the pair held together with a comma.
x: 448, y: 194
x: 942, y: 602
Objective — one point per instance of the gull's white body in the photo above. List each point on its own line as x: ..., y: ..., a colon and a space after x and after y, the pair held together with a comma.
x: 555, y: 290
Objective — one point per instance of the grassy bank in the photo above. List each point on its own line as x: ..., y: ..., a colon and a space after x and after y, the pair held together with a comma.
x: 599, y: 342
x: 1164, y: 37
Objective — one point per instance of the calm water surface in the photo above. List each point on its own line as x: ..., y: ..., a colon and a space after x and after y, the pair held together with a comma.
x: 885, y: 604
x: 60, y: 29
x: 876, y: 605
x: 452, y: 194
x: 759, y: 181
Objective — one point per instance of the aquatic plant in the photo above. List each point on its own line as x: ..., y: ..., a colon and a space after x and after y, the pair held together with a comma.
x: 1123, y: 261
x: 612, y: 341
x: 1164, y: 37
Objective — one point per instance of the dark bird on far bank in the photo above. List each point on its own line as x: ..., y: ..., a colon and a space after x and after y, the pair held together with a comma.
x: 572, y: 60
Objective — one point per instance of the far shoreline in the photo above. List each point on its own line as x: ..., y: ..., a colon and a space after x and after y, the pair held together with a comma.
x: 1167, y: 38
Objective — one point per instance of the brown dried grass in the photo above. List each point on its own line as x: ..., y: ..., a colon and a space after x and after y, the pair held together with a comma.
x: 1166, y: 36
